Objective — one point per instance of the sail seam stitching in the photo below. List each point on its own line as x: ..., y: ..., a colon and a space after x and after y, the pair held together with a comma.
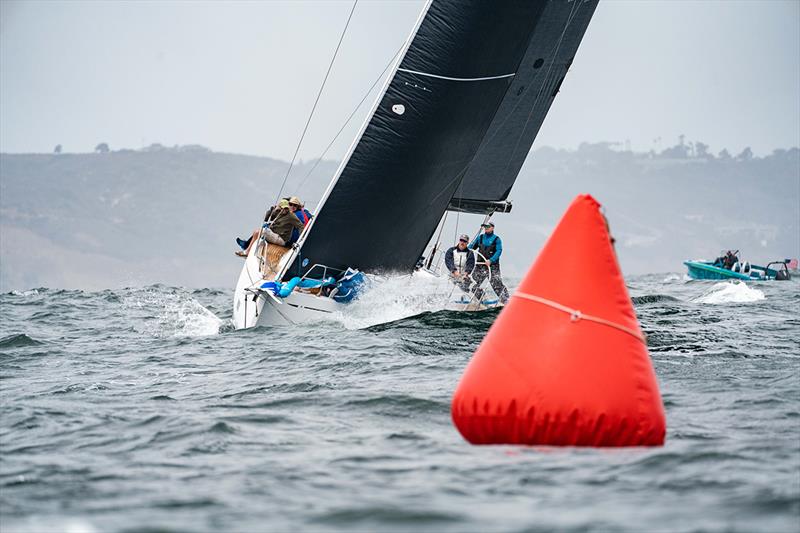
x: 576, y: 315
x: 449, y: 78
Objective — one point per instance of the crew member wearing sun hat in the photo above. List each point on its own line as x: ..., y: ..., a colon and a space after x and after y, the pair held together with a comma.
x: 490, y: 247
x: 460, y: 261
x: 277, y: 228
x: 280, y: 230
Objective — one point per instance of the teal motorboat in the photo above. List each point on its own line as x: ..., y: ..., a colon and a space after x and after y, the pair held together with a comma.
x: 728, y: 266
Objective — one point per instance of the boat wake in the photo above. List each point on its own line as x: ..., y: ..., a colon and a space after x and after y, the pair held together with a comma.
x: 396, y: 297
x: 730, y: 292
x: 169, y: 312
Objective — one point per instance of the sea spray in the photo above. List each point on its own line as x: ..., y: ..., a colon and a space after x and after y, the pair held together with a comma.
x: 169, y: 312
x: 730, y: 292
x: 396, y: 297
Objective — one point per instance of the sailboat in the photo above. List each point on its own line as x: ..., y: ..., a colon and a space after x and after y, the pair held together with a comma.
x: 449, y: 131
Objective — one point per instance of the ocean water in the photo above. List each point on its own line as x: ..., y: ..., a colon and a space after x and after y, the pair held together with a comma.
x: 141, y: 409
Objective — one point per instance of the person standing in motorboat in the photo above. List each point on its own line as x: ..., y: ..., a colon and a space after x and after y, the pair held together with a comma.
x: 460, y: 262
x: 727, y: 260
x: 490, y: 247
x: 277, y: 228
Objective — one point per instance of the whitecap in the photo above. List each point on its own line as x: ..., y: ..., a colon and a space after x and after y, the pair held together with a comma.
x: 172, y: 313
x: 730, y: 292
x: 31, y: 292
x: 189, y: 319
x: 396, y: 297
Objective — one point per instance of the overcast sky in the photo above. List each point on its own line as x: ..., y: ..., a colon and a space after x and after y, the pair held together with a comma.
x: 242, y: 77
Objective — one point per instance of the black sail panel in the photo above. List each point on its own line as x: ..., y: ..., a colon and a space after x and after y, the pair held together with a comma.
x: 554, y: 40
x: 430, y: 122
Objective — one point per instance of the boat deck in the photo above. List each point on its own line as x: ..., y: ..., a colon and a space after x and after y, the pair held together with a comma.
x: 270, y: 256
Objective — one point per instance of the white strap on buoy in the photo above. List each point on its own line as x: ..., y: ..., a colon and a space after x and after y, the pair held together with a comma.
x: 575, y: 315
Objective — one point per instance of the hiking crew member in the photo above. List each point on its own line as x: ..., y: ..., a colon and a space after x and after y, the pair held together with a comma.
x: 460, y: 262
x: 490, y: 246
x: 730, y: 259
x: 277, y: 228
x: 280, y: 230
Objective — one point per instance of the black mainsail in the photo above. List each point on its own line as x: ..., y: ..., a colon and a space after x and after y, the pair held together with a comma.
x: 555, y: 37
x: 434, y: 116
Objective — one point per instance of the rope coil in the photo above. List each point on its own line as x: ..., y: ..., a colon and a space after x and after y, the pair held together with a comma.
x: 576, y: 315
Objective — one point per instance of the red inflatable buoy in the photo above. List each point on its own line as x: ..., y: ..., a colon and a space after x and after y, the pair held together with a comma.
x: 565, y: 363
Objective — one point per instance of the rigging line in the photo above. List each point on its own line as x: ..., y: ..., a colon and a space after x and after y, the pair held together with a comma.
x: 314, y: 107
x: 438, y: 241
x: 448, y: 78
x: 387, y: 82
x: 346, y: 122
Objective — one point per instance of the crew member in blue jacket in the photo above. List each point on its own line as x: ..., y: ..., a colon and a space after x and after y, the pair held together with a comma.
x: 490, y: 247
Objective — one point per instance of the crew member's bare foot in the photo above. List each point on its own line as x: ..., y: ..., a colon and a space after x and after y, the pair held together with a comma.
x: 241, y: 253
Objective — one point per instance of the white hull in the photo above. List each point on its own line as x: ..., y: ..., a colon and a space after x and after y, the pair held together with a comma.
x: 253, y: 306
x: 297, y: 308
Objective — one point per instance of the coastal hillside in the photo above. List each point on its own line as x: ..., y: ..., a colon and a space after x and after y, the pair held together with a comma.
x: 170, y: 215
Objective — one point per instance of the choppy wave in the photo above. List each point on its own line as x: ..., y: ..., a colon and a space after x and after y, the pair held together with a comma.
x: 730, y: 292
x: 652, y: 299
x: 170, y: 312
x: 389, y: 299
x: 17, y: 341
x: 139, y: 409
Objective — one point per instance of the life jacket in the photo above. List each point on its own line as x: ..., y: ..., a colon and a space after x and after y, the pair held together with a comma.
x: 485, y: 250
x: 303, y: 215
x: 461, y: 260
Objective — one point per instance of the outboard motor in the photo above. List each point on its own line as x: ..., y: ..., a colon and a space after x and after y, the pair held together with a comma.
x: 736, y: 267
